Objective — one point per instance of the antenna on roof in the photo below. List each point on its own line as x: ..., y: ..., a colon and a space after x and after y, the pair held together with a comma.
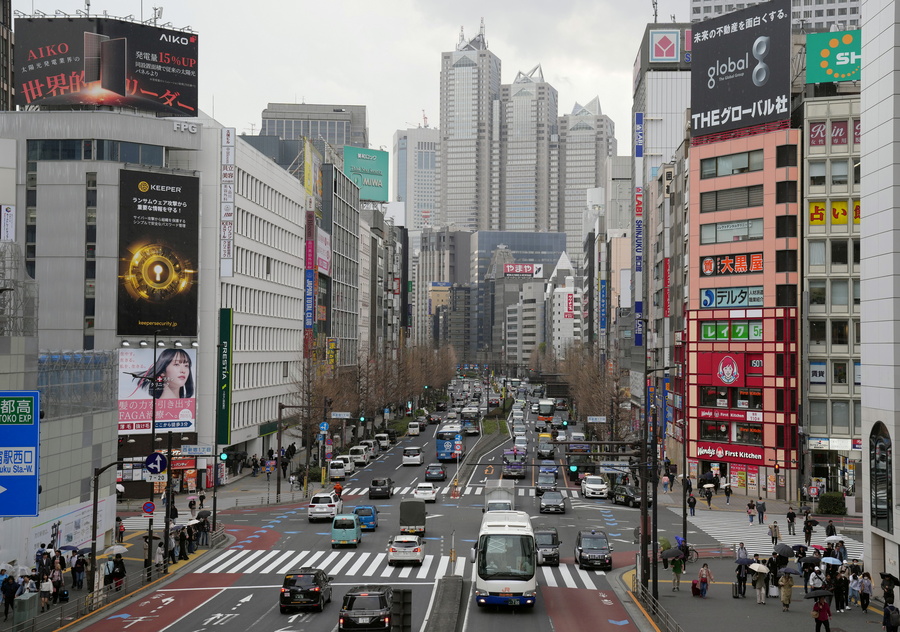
x: 655, y: 13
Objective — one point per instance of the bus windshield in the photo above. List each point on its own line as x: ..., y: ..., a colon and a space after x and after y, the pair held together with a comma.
x: 506, y: 556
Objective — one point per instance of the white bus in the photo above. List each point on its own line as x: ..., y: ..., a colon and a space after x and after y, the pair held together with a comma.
x: 505, y: 560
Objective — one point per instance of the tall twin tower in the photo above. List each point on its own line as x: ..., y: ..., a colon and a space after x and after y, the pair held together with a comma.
x: 507, y: 160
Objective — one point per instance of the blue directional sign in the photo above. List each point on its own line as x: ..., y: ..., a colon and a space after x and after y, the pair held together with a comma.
x: 19, y: 453
x: 323, y: 427
x: 458, y: 438
x: 156, y: 463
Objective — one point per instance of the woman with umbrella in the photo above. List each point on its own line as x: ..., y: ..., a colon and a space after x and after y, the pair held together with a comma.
x: 759, y: 581
x: 786, y: 586
x: 821, y: 610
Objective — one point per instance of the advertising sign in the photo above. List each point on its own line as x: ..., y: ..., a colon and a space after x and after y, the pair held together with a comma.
x: 639, y: 323
x: 834, y: 56
x: 729, y: 453
x: 727, y: 368
x: 665, y: 47
x: 323, y: 252
x: 638, y: 229
x: 223, y: 378
x: 368, y: 169
x: 602, y: 306
x: 7, y: 222
x: 518, y: 269
x: 639, y: 134
x: 751, y: 296
x: 817, y: 213
x: 105, y: 62
x: 817, y: 373
x: 737, y: 476
x: 19, y: 453
x: 731, y: 264
x: 159, y: 220
x: 741, y: 69
x: 165, y: 388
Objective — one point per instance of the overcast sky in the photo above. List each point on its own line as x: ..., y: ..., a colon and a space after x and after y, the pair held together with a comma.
x: 386, y: 55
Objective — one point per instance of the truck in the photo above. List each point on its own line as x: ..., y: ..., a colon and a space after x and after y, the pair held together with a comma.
x: 412, y: 516
x: 499, y: 495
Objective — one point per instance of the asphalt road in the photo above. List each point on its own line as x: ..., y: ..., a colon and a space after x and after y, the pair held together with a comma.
x: 236, y: 589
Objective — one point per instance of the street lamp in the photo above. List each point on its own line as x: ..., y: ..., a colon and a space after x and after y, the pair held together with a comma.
x: 92, y: 578
x: 281, y: 408
x: 650, y: 466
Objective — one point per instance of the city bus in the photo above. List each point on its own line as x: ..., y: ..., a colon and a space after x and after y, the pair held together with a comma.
x: 446, y: 438
x: 546, y: 408
x: 513, y: 464
x: 505, y: 560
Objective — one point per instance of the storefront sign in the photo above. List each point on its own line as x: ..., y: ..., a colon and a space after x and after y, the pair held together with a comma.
x: 729, y: 453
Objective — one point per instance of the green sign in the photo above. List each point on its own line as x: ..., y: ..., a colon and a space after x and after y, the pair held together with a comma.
x: 17, y: 411
x: 834, y: 56
x: 223, y: 392
x: 367, y: 169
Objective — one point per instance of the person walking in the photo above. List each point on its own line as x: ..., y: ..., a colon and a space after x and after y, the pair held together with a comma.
x: 741, y: 551
x: 677, y: 570
x: 830, y: 529
x: 774, y: 532
x: 9, y: 589
x: 791, y: 518
x: 709, y: 498
x: 741, y: 573
x: 853, y: 590
x: 761, y: 510
x: 706, y: 578
x: 688, y: 485
x: 182, y: 544
x: 692, y: 504
x: 841, y: 588
x: 865, y: 591
x: 759, y: 584
x: 727, y: 494
x: 46, y: 591
x: 786, y: 586
x: 891, y: 619
x: 751, y: 510
x: 807, y: 532
x: 159, y: 556
x: 822, y: 613
x: 119, y: 571
x: 120, y: 530
x: 192, y: 507
x: 78, y: 572
x: 665, y: 484
x: 202, y: 498
x: 203, y: 528
x: 56, y: 578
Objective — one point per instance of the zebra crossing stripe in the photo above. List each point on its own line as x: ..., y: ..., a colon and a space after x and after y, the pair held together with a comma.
x: 281, y: 559
x: 461, y: 567
x: 404, y: 572
x: 426, y: 566
x: 566, y: 575
x: 355, y: 568
x: 442, y: 566
x: 217, y: 560
x: 247, y: 560
x: 374, y: 565
x: 265, y: 558
x: 328, y: 560
x: 549, y: 577
x: 341, y: 563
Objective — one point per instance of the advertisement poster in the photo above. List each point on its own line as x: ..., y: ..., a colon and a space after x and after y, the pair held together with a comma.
x: 368, y: 169
x: 770, y: 483
x: 752, y: 479
x: 105, y: 62
x: 164, y: 388
x: 159, y: 219
x: 737, y: 476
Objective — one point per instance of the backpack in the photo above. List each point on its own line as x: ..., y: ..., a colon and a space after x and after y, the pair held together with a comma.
x: 895, y: 616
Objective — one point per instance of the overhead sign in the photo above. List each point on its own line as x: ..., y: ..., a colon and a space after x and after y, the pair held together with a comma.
x: 613, y: 467
x: 105, y: 62
x: 596, y: 419
x: 742, y: 69
x: 340, y: 415
x: 201, y: 449
x: 19, y: 453
x: 834, y: 56
x: 368, y: 169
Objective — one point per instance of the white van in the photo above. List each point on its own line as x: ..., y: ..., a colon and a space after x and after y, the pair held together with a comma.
x: 360, y: 455
x: 413, y: 456
x: 336, y: 471
x: 349, y: 465
x: 413, y: 429
x: 384, y: 441
x: 577, y: 436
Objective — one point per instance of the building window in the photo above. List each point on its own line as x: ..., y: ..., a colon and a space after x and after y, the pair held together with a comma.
x: 750, y: 398
x: 817, y: 332
x: 838, y: 252
x: 817, y: 292
x: 881, y: 467
x: 817, y: 253
x: 856, y: 252
x: 714, y: 430
x: 731, y: 199
x: 748, y: 433
x: 839, y: 332
x: 838, y: 372
x: 731, y: 164
x: 839, y: 293
x: 818, y: 415
x: 817, y: 173
x: 786, y: 261
x: 785, y: 192
x: 786, y: 156
x: 839, y: 172
x: 726, y: 232
x: 786, y: 295
x: 786, y: 226
x: 714, y: 397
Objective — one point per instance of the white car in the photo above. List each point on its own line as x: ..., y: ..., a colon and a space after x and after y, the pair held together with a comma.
x: 594, y: 487
x: 406, y: 548
x: 518, y: 430
x: 518, y: 416
x: 349, y: 465
x: 324, y: 506
x: 426, y: 492
x: 521, y: 443
x: 534, y: 408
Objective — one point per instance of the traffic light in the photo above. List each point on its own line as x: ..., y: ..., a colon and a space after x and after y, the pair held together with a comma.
x: 573, y: 468
x: 426, y: 387
x: 565, y: 422
x: 777, y: 468
x: 223, y: 456
x: 362, y: 419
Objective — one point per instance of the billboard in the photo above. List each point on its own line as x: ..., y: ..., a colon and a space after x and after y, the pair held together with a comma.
x: 527, y: 270
x: 368, y: 169
x: 834, y: 56
x: 160, y: 383
x: 101, y: 61
x: 159, y: 218
x: 742, y: 69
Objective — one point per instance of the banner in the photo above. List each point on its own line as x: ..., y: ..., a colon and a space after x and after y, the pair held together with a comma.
x: 160, y: 384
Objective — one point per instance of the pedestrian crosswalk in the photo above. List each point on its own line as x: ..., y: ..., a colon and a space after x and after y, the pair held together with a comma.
x: 731, y: 528
x: 467, y: 490
x: 374, y: 566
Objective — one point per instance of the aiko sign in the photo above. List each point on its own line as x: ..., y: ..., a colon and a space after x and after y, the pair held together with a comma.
x: 730, y: 453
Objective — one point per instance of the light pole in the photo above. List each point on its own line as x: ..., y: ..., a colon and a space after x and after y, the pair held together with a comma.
x: 281, y: 408
x: 154, y: 383
x: 650, y: 472
x: 92, y: 577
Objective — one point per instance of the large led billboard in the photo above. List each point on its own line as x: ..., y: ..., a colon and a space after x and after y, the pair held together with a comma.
x: 101, y: 61
x: 833, y: 56
x: 158, y: 384
x: 368, y: 169
x: 159, y: 219
x: 741, y: 69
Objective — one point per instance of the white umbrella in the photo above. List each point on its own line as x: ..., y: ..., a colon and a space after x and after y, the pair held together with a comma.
x: 759, y: 568
x: 120, y: 487
x: 194, y: 521
x: 834, y: 538
x: 709, y: 485
x: 115, y: 549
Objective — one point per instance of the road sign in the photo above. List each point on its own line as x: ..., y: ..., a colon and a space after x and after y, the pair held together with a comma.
x: 19, y: 453
x: 340, y: 415
x: 596, y: 419
x: 155, y: 478
x: 156, y: 463
x: 323, y: 427
x: 201, y: 449
x: 613, y: 467
x: 149, y: 507
x: 813, y: 491
x: 457, y: 447
x: 458, y: 437
x: 328, y: 456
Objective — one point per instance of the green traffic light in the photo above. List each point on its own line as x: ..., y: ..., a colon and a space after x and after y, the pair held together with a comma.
x: 362, y: 419
x: 223, y: 456
x: 573, y: 468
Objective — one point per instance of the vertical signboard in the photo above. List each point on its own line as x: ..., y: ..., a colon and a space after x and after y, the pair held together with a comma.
x: 309, y: 285
x: 368, y: 169
x: 639, y: 265
x: 602, y: 306
x: 157, y: 384
x: 226, y: 204
x: 638, y: 134
x: 19, y: 453
x: 159, y: 227
x: 742, y: 69
x: 223, y: 379
x: 7, y: 222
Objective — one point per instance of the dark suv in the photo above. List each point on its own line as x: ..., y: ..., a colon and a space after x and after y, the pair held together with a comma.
x: 547, y: 541
x: 435, y: 472
x: 366, y: 608
x: 305, y: 587
x: 593, y: 550
x: 381, y: 488
x: 628, y: 495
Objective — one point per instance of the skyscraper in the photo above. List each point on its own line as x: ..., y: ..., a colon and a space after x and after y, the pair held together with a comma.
x: 337, y: 125
x: 470, y: 85
x: 415, y: 174
x: 840, y: 14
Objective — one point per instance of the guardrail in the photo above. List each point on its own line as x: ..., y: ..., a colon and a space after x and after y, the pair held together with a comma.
x: 653, y: 608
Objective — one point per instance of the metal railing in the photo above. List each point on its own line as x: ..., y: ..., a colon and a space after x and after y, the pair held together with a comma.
x: 653, y: 608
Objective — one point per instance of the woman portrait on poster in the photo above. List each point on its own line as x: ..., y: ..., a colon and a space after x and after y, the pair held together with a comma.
x: 171, y: 377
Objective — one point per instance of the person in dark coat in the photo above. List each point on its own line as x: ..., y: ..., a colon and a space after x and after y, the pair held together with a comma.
x: 182, y: 544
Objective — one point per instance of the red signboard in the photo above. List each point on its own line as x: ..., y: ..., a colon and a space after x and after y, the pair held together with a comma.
x: 817, y: 134
x: 183, y: 463
x: 570, y: 302
x: 857, y: 132
x: 667, y: 282
x: 838, y: 132
x: 727, y: 369
x: 730, y: 453
x: 729, y: 265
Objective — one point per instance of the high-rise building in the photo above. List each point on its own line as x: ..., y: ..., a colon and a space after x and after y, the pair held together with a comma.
x: 337, y: 125
x: 805, y: 16
x: 470, y: 86
x: 6, y: 55
x: 524, y: 123
x: 416, y: 177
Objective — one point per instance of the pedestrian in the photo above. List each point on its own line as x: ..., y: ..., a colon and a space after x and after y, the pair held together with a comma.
x: 807, y: 532
x: 171, y: 546
x: 791, y: 518
x: 709, y: 498
x: 202, y: 498
x: 727, y: 494
x: 120, y: 530
x: 78, y: 572
x: 338, y: 489
x: 665, y: 483
x: 692, y: 504
x: 716, y: 481
x: 761, y: 510
x: 751, y: 510
x: 856, y: 567
x: 786, y: 585
x: 677, y: 571
x: 741, y: 573
x: 774, y: 532
x: 182, y: 544
x: 830, y: 529
x: 46, y: 591
x: 822, y: 612
x: 254, y: 463
x: 741, y: 552
x: 853, y: 590
x: 887, y: 585
x: 192, y: 507
x: 119, y: 571
x: 9, y: 589
x: 39, y: 554
x: 688, y: 485
x: 891, y: 619
x: 841, y: 590
x: 706, y: 578
x: 840, y: 551
x: 759, y: 584
x: 56, y: 578
x: 816, y: 579
x: 204, y: 531
x: 173, y: 512
x: 865, y: 591
x: 108, y: 569
x: 159, y: 556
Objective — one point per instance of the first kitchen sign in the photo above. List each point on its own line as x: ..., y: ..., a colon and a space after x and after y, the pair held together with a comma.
x: 728, y: 453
